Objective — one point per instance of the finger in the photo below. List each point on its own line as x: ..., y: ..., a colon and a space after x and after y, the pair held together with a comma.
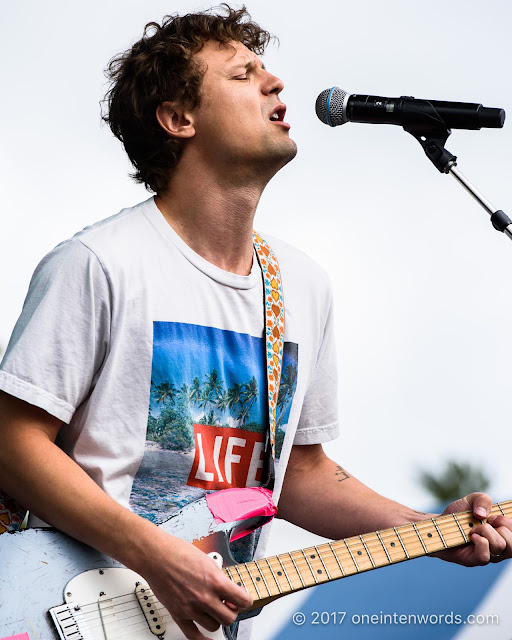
x: 480, y: 504
x: 500, y: 521
x: 208, y: 622
x: 237, y: 595
x: 495, y: 541
x: 505, y: 531
x: 190, y: 630
x: 481, y: 549
x: 226, y: 615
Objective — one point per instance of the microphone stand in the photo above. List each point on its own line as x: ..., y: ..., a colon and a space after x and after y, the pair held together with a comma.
x: 433, y: 139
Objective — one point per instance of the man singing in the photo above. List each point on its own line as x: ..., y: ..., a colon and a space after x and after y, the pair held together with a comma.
x: 136, y: 380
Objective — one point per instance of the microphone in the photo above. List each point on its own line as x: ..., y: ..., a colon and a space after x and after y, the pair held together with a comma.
x: 335, y: 106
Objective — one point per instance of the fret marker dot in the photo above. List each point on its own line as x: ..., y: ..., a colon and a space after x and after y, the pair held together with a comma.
x: 319, y: 571
x: 429, y: 535
x: 258, y: 579
x: 239, y: 584
x: 279, y: 573
x: 312, y: 555
x: 392, y: 544
x: 470, y: 524
x: 359, y: 553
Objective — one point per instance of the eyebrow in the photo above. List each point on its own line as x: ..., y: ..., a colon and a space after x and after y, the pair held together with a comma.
x: 248, y: 65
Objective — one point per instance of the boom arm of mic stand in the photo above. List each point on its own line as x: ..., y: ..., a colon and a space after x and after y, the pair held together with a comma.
x: 499, y: 219
x: 433, y: 142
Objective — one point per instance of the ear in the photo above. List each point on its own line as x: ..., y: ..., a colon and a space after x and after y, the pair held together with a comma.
x: 176, y: 120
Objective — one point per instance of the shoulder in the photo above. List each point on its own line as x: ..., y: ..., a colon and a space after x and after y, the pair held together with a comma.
x: 119, y: 232
x: 102, y: 244
x: 299, y: 271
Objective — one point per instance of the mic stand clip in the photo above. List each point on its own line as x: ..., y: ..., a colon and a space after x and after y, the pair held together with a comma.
x: 433, y: 140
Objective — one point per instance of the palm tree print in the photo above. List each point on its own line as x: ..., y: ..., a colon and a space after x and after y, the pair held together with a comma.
x: 249, y: 396
x: 192, y: 390
x: 164, y: 391
x: 286, y: 390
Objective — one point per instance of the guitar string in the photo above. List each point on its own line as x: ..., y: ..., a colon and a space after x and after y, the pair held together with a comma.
x: 450, y: 537
x: 301, y: 565
x: 376, y: 544
x: 408, y: 534
x: 88, y: 618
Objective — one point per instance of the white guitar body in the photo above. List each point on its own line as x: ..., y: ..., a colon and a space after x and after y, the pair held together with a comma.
x: 104, y: 601
x: 113, y: 603
x: 42, y: 568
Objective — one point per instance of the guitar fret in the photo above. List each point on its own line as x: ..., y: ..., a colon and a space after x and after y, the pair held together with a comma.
x: 372, y: 550
x: 264, y: 581
x: 353, y: 559
x: 401, y: 542
x: 421, y: 539
x: 310, y: 567
x: 384, y: 547
x: 241, y: 577
x: 297, y: 570
x: 366, y: 549
x: 336, y: 558
x: 285, y: 573
x: 273, y: 575
x: 439, y: 533
x: 253, y: 580
x: 461, y: 529
x: 323, y: 563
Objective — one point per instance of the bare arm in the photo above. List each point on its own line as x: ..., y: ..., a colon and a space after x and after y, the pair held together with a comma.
x: 39, y: 475
x: 320, y: 496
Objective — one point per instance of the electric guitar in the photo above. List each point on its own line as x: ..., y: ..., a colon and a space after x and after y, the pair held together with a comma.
x: 105, y: 601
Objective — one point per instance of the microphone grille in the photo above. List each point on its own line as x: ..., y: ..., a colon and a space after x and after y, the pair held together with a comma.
x: 330, y: 106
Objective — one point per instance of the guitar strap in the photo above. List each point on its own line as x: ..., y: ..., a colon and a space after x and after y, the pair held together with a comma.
x: 12, y: 513
x: 274, y: 340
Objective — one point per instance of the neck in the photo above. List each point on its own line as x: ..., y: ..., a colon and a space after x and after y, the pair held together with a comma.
x: 213, y: 213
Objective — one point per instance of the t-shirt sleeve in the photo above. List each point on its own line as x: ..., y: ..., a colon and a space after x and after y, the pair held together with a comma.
x: 318, y: 420
x: 62, y: 336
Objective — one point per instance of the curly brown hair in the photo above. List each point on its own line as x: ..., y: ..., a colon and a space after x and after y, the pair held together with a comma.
x: 160, y: 67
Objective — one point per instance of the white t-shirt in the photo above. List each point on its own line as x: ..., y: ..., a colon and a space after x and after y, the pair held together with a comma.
x: 153, y: 358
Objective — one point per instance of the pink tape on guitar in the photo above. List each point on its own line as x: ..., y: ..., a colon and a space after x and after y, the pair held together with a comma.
x: 19, y: 636
x: 233, y: 505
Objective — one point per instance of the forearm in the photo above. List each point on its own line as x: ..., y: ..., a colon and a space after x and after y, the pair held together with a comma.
x: 320, y: 496
x: 45, y: 480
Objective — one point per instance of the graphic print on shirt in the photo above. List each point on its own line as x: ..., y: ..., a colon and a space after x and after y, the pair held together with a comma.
x: 208, y: 415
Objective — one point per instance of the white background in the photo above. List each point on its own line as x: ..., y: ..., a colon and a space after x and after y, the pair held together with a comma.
x: 422, y: 282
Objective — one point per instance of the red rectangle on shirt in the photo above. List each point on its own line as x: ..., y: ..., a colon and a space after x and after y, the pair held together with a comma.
x: 226, y: 458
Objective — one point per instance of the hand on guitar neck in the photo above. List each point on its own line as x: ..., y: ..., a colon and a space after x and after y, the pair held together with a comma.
x: 491, y: 540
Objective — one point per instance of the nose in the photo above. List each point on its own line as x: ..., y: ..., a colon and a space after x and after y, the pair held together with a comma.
x: 273, y: 84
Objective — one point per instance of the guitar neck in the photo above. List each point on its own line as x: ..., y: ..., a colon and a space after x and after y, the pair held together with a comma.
x: 276, y: 576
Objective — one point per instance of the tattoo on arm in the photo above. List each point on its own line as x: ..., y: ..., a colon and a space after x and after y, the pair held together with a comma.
x: 341, y: 473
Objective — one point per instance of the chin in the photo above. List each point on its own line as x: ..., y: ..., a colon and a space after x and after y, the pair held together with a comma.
x: 289, y: 153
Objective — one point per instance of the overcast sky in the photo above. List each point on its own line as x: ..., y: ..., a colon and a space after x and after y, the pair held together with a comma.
x: 422, y: 282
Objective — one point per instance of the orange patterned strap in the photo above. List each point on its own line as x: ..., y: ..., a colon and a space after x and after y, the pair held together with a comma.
x: 274, y: 327
x: 12, y: 513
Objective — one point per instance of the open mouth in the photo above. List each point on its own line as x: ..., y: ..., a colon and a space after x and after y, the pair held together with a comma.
x: 278, y: 114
